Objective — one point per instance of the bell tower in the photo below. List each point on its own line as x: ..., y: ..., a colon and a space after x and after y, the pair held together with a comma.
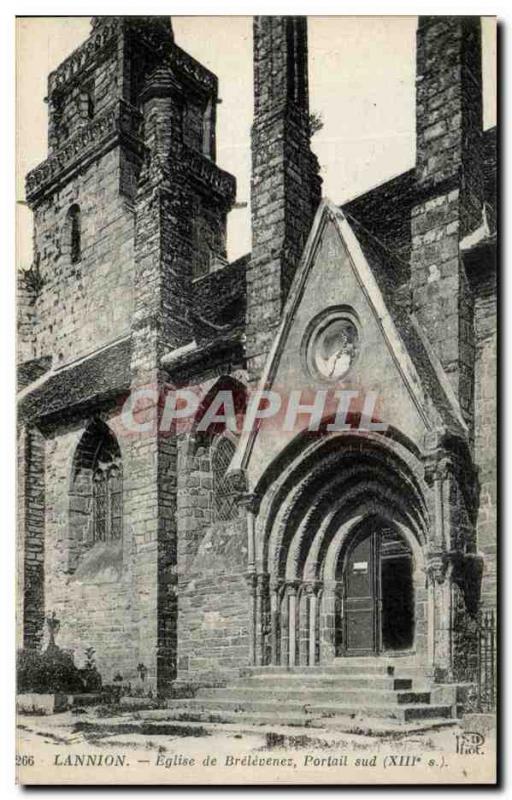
x: 82, y: 195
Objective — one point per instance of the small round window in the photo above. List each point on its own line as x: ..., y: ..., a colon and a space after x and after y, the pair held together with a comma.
x: 332, y: 345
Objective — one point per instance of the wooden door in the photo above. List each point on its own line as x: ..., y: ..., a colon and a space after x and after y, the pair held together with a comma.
x: 361, y: 596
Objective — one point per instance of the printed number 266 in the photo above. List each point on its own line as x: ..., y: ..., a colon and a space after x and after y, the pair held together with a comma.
x: 24, y: 761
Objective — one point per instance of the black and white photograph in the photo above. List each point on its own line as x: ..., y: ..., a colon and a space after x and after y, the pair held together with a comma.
x: 257, y: 400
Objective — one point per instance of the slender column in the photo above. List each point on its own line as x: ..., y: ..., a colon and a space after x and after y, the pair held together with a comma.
x: 251, y: 582
x: 328, y: 621
x: 275, y: 612
x: 446, y: 476
x: 285, y: 625
x: 440, y: 574
x: 250, y: 503
x: 431, y: 610
x: 261, y: 591
x: 438, y: 504
x: 302, y: 625
x: 439, y: 566
x: 437, y: 475
x: 312, y: 624
x: 292, y: 623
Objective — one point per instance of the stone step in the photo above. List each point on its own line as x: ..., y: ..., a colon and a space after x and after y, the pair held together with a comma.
x: 275, y: 723
x: 330, y: 669
x: 346, y: 666
x: 409, y: 659
x: 284, y: 695
x: 219, y: 707
x: 320, y: 679
x: 262, y: 724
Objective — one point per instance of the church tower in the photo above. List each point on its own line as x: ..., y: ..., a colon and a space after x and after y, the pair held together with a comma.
x: 82, y: 196
x: 285, y: 187
x: 129, y: 209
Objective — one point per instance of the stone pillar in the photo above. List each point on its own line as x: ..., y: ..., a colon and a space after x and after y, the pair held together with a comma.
x: 446, y: 474
x: 303, y: 624
x: 292, y: 623
x: 440, y: 576
x: 31, y: 544
x: 284, y: 627
x: 275, y: 617
x: 312, y: 633
x: 250, y: 504
x: 285, y: 187
x: 439, y: 475
x: 328, y: 621
x: 437, y: 488
x: 252, y: 583
x: 260, y: 617
x: 449, y: 173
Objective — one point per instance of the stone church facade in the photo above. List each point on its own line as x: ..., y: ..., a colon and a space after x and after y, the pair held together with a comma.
x: 199, y: 553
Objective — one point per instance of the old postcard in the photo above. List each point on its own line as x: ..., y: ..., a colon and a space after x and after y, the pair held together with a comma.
x: 256, y: 400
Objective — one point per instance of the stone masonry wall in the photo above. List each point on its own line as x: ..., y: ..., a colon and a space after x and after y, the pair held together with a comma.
x: 486, y: 439
x: 96, y: 609
x: 213, y: 607
x: 285, y: 187
x: 26, y: 316
x: 31, y: 535
x: 71, y: 109
x: 449, y: 170
x: 85, y: 305
x: 167, y: 196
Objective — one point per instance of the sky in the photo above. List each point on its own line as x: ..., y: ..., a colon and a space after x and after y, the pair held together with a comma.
x: 361, y: 80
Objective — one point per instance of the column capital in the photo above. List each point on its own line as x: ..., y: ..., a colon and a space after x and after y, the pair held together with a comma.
x: 439, y: 566
x: 438, y: 467
x: 249, y: 501
x: 251, y: 579
x: 262, y: 579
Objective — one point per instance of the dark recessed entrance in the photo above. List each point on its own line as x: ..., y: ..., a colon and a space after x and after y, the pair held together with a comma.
x: 377, y: 612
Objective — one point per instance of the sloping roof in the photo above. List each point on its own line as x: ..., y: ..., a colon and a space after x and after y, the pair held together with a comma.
x: 30, y: 371
x: 219, y: 302
x: 102, y: 374
x: 385, y: 265
x: 385, y: 211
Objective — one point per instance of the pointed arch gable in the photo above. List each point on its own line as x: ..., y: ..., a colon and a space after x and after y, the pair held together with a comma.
x: 424, y: 389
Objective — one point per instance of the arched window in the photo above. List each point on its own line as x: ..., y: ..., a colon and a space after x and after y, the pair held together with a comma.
x: 224, y: 496
x: 74, y: 233
x: 96, y: 492
x: 107, y: 502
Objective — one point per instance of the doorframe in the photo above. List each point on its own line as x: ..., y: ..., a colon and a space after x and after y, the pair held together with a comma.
x: 375, y: 560
x: 376, y: 584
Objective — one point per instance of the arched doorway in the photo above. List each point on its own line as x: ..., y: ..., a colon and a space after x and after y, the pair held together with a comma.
x: 338, y: 495
x: 376, y: 613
